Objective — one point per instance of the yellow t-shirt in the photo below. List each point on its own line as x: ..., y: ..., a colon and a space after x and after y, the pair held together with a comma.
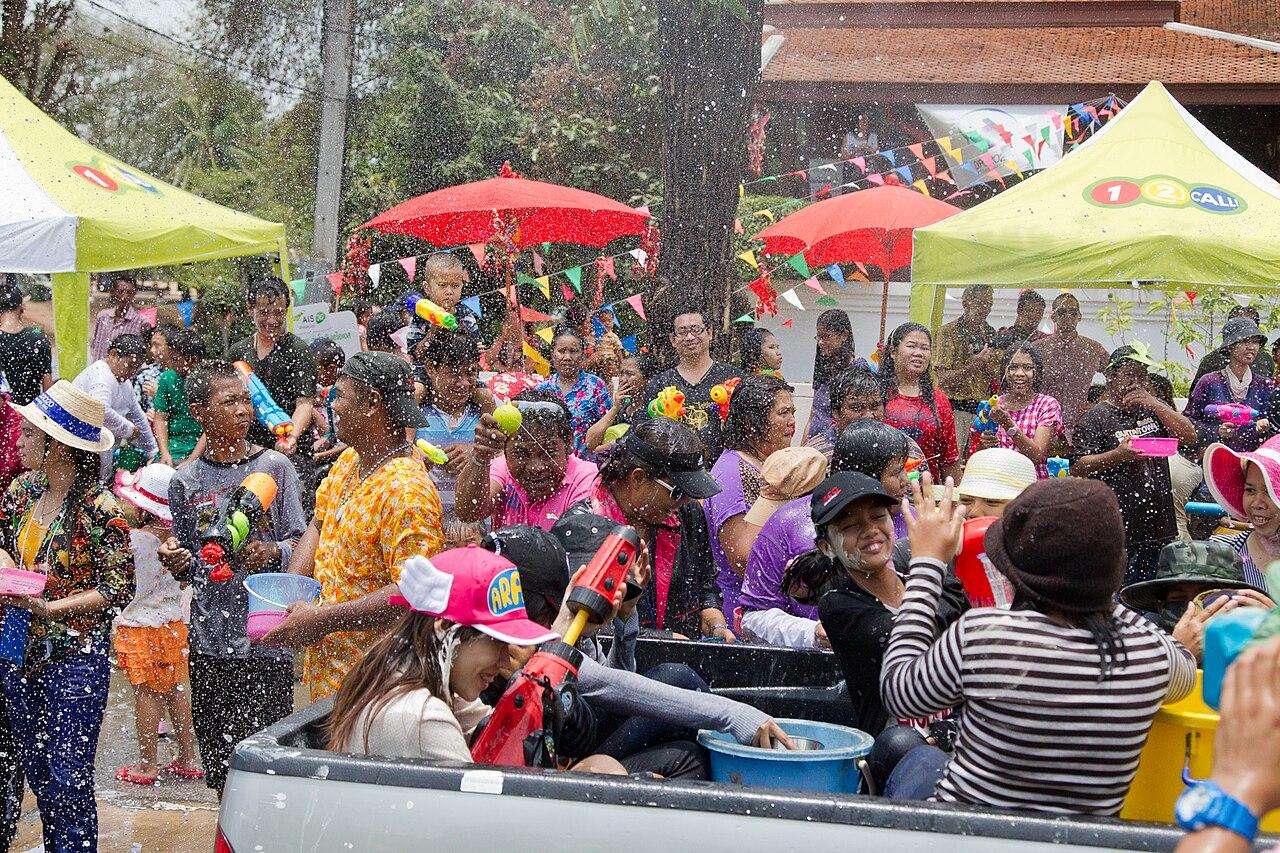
x: 367, y: 530
x: 30, y: 538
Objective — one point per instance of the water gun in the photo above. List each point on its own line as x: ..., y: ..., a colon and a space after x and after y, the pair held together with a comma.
x: 668, y: 404
x: 269, y: 413
x: 982, y: 420
x: 721, y: 395
x: 1205, y: 508
x: 1058, y: 467
x: 1237, y: 414
x: 912, y: 467
x: 221, y: 540
x: 423, y: 307
x: 433, y: 453
x: 523, y: 728
x: 983, y: 584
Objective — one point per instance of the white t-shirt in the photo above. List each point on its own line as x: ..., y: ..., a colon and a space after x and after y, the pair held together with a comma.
x: 160, y: 599
x: 418, y: 725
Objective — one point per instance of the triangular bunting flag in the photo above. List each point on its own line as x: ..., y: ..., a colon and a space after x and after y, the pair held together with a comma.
x: 299, y: 286
x: 375, y: 273
x: 930, y: 165
x: 477, y: 252
x: 737, y: 227
x: 790, y: 296
x: 766, y: 213
x: 1011, y: 164
x: 637, y: 304
x: 922, y: 186
x: 335, y: 281
x: 605, y: 267
x: 540, y: 364
x: 876, y: 179
x: 410, y: 267
x: 890, y: 156
x: 745, y: 318
x: 945, y: 144
x: 643, y: 210
x: 995, y: 176
x: 574, y: 275
x: 904, y: 172
x: 944, y: 176
x: 837, y: 274
x: 537, y: 262
x: 917, y: 149
x: 862, y: 269
x: 813, y: 282
x: 567, y: 291
x: 629, y: 343
x: 640, y: 255
x: 473, y: 302
x: 522, y: 278
x: 544, y: 284
x: 742, y: 191
x: 827, y: 301
x: 799, y: 264
x: 545, y: 333
x: 861, y: 163
x: 988, y: 161
x: 528, y: 315
x: 786, y: 324
x: 750, y: 257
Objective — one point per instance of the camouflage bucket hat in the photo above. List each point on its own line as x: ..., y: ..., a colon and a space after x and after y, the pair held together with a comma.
x: 1215, y: 564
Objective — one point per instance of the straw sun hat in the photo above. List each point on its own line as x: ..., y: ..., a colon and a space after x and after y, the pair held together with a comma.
x: 69, y: 415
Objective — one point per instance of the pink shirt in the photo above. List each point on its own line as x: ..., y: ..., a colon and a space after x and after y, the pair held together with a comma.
x: 512, y: 506
x: 1043, y: 410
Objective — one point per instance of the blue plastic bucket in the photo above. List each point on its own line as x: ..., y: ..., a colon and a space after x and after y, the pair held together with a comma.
x: 831, y: 769
x: 275, y: 591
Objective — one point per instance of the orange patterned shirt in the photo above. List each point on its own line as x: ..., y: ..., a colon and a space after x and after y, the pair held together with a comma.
x: 367, y: 529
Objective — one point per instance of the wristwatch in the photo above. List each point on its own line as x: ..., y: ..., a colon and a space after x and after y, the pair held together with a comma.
x: 1013, y: 431
x: 1206, y: 804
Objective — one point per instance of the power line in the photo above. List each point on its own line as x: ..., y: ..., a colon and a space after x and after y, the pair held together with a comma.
x: 213, y: 57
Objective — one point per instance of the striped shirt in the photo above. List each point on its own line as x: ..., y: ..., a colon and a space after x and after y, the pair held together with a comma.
x: 1239, y: 542
x: 1041, y: 728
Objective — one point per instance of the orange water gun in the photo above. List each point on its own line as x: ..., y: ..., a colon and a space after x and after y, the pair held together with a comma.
x: 721, y: 395
x: 668, y: 404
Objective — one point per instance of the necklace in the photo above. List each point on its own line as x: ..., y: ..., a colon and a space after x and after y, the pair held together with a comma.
x: 382, y: 460
x: 41, y: 513
x: 349, y: 488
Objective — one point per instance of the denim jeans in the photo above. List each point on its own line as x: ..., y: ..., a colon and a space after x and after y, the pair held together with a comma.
x: 56, y: 713
x: 917, y: 774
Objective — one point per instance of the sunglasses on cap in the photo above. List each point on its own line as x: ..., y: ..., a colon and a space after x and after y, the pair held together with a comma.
x: 677, y: 494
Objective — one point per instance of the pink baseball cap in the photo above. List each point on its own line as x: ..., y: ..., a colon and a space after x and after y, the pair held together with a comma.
x: 1224, y: 471
x: 474, y: 587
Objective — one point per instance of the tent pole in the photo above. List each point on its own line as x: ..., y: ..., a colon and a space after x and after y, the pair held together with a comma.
x: 884, y: 306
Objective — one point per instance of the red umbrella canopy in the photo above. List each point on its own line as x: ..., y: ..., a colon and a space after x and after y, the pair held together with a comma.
x: 536, y: 212
x: 869, y: 226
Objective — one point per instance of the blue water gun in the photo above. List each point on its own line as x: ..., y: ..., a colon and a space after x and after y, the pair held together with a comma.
x: 1058, y: 467
x: 982, y: 420
x: 269, y: 413
x: 1205, y: 508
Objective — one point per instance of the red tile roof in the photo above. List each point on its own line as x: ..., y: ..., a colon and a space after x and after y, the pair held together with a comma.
x: 946, y: 64
x: 1257, y: 18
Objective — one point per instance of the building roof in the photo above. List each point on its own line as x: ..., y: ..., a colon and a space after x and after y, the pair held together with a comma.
x: 1257, y: 18
x: 1026, y: 64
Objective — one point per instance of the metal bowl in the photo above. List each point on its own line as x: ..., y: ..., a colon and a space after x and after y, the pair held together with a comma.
x: 801, y: 744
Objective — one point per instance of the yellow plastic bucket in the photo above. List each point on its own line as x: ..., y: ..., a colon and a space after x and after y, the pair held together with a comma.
x: 1182, y: 734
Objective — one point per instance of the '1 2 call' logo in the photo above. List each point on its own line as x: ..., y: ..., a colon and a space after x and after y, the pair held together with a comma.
x: 1163, y: 191
x: 112, y: 177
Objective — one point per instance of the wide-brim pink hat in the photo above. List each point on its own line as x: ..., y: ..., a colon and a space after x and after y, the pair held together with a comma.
x: 474, y: 587
x: 1224, y: 472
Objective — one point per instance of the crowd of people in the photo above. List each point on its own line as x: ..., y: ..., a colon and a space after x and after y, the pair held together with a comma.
x: 839, y: 535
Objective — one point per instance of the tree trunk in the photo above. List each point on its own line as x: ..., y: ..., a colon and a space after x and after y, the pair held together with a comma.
x: 38, y: 57
x: 710, y: 70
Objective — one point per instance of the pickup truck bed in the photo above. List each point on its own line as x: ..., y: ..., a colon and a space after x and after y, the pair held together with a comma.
x: 285, y: 794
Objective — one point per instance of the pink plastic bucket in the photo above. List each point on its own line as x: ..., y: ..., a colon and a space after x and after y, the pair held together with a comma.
x: 262, y: 622
x: 21, y: 582
x: 1156, y: 446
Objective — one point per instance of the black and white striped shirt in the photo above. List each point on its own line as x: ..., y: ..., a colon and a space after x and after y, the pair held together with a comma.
x: 1040, y: 728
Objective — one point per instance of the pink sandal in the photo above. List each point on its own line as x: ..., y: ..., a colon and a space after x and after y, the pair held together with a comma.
x: 176, y: 769
x: 133, y: 777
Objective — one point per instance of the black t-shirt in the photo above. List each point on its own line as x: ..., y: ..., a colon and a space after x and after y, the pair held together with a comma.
x: 289, y: 372
x: 700, y: 414
x: 25, y: 357
x: 1142, y: 486
x: 858, y: 626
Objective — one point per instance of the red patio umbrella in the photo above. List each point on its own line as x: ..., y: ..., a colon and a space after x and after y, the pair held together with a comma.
x: 534, y: 212
x: 869, y: 226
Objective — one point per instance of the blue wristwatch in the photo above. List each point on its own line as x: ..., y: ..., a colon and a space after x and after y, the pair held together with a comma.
x: 1206, y: 804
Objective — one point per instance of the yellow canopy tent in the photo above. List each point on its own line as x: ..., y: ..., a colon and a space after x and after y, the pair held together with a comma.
x: 68, y: 209
x: 1152, y: 197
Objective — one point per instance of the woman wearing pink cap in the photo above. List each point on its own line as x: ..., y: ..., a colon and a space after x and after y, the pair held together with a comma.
x: 1247, y: 485
x: 415, y: 694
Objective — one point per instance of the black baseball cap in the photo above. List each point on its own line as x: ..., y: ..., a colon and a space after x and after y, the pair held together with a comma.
x: 543, y: 565
x: 838, y: 491
x: 688, y: 470
x: 390, y: 377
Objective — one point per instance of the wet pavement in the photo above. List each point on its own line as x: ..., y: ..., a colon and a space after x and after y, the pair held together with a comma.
x: 174, y: 816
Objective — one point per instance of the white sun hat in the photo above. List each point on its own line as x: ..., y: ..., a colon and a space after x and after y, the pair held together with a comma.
x: 148, y: 489
x: 996, y: 474
x: 69, y: 415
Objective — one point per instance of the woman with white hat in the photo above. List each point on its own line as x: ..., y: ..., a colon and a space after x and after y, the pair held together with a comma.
x: 61, y: 522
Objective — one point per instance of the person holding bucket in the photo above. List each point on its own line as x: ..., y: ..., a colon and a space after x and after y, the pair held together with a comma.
x: 61, y: 522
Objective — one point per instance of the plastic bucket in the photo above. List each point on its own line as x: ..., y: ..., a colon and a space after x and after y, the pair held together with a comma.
x: 262, y: 622
x: 1182, y: 732
x: 831, y: 769
x: 275, y: 591
x: 1155, y: 446
x: 14, y: 581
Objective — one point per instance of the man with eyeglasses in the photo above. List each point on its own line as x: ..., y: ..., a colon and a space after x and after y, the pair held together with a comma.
x: 695, y: 375
x: 1070, y: 362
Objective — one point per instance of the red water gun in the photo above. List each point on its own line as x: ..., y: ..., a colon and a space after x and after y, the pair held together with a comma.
x: 247, y: 506
x: 522, y: 730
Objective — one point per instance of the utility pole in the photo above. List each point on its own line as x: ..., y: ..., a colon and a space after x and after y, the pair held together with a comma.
x: 335, y: 58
